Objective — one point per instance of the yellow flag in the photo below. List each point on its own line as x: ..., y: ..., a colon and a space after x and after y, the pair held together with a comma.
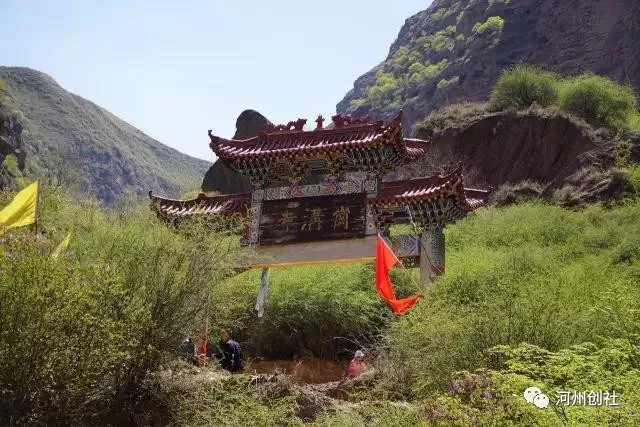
x: 22, y: 210
x: 62, y: 246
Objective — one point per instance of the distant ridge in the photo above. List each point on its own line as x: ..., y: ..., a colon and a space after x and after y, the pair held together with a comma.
x: 68, y: 138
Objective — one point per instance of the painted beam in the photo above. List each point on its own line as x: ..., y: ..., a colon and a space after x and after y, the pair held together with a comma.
x: 333, y: 252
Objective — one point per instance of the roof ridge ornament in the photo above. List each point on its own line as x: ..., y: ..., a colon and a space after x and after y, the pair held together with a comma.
x: 293, y: 125
x: 340, y: 120
x: 397, y: 120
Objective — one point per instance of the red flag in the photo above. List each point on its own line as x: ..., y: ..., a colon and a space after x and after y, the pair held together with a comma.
x: 385, y: 259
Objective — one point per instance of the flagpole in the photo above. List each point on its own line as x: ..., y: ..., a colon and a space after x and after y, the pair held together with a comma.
x: 37, y: 207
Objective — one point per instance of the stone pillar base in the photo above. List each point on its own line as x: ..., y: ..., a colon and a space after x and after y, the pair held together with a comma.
x: 431, y: 254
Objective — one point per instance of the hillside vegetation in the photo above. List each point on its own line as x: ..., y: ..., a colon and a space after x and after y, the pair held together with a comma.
x: 128, y: 289
x: 595, y: 99
x: 74, y: 143
x: 455, y: 50
x: 534, y: 295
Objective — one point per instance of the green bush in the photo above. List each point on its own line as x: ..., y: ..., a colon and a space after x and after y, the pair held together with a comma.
x: 78, y: 334
x: 599, y: 101
x: 323, y: 309
x: 10, y: 164
x: 523, y: 85
x: 492, y: 24
x: 527, y: 273
x: 634, y: 121
x: 385, y: 91
x: 444, y: 82
x: 419, y: 72
x: 441, y: 40
x: 633, y: 173
x: 438, y: 14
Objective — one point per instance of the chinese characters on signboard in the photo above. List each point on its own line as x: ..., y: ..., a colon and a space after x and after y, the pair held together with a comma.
x: 308, y: 219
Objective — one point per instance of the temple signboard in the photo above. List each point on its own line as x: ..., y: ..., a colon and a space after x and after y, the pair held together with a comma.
x: 307, y: 219
x: 320, y: 195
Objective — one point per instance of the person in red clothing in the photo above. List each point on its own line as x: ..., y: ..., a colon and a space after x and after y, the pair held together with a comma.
x: 201, y: 348
x: 357, y: 365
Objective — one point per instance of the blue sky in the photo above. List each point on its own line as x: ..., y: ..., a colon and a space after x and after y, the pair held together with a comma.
x: 177, y: 68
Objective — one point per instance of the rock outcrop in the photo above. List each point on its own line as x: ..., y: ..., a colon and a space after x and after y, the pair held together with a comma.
x: 455, y: 50
x: 12, y: 150
x: 559, y: 157
x: 221, y: 178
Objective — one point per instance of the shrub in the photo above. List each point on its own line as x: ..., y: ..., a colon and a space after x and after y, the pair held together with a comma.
x: 599, y: 101
x: 438, y: 14
x: 78, y: 334
x: 441, y: 40
x: 385, y: 89
x: 320, y: 309
x: 403, y: 58
x: 444, y: 82
x: 527, y: 273
x: 520, y: 192
x: 419, y: 72
x: 449, y: 116
x: 523, y: 85
x: 633, y: 173
x: 10, y: 164
x: 492, y: 24
x: 634, y: 121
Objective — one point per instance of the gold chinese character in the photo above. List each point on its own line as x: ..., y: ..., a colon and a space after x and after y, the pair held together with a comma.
x: 286, y: 219
x: 315, y: 220
x: 341, y: 217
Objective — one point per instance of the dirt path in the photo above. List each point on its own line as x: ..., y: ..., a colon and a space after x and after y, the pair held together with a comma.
x: 311, y: 371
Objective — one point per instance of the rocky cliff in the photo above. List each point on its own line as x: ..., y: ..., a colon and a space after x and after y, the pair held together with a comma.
x: 220, y: 178
x: 541, y: 152
x: 455, y: 50
x: 12, y: 150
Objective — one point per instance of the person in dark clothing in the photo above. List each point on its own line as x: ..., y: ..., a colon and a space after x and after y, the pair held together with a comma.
x: 188, y: 350
x: 231, y: 352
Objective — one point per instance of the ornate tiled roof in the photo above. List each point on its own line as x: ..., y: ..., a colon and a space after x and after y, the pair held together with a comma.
x: 347, y: 135
x: 394, y: 194
x: 201, y: 205
x: 430, y: 189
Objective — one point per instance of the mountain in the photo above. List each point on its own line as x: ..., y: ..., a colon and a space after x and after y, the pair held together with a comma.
x: 66, y: 138
x: 455, y: 50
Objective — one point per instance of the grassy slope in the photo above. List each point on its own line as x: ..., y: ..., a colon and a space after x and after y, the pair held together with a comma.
x: 109, y: 155
x: 531, y: 273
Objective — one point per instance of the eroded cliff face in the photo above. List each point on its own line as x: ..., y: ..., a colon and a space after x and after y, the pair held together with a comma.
x: 455, y: 50
x: 565, y: 160
x: 221, y: 178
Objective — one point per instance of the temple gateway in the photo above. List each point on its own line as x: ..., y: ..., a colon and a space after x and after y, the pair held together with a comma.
x: 318, y: 195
